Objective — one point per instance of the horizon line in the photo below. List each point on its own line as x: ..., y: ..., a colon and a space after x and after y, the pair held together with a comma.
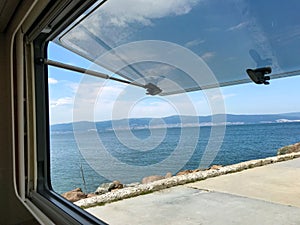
x: 171, y: 116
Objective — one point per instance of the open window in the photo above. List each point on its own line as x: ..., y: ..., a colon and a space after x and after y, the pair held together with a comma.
x: 127, y: 90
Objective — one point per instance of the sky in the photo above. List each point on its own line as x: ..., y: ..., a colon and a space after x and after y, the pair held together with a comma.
x: 74, y: 97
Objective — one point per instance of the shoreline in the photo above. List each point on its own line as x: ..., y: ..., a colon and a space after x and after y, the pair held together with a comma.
x: 141, y: 189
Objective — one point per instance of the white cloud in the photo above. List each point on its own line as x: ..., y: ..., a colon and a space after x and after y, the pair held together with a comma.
x: 61, y: 102
x: 142, y: 11
x: 52, y: 80
x: 208, y: 55
x: 238, y: 26
x: 194, y: 43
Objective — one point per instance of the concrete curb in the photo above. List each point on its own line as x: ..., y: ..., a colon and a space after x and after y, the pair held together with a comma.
x: 179, y: 180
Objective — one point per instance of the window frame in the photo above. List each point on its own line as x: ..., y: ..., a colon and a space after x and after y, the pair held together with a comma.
x: 53, y: 205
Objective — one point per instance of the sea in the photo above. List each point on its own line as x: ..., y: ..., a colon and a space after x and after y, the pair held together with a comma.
x: 92, y: 158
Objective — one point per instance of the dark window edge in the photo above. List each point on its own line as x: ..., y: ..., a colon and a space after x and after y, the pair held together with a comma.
x: 54, y: 206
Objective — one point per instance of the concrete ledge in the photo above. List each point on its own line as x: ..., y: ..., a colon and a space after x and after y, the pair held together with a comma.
x: 179, y: 180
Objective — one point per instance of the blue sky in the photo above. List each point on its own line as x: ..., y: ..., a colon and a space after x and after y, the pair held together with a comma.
x: 222, y: 33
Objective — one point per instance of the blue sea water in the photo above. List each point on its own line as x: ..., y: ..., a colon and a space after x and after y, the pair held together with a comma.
x: 69, y: 169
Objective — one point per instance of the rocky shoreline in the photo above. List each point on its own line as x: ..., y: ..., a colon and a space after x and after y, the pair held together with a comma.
x: 77, y: 194
x: 289, y: 149
x: 115, y: 191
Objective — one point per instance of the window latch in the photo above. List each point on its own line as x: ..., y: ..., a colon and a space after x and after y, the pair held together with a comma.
x: 152, y: 89
x: 258, y: 76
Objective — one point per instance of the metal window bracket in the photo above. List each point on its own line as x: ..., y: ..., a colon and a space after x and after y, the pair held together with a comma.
x: 258, y: 76
x: 152, y: 89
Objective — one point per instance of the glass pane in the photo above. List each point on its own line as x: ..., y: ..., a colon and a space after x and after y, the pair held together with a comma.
x: 228, y: 37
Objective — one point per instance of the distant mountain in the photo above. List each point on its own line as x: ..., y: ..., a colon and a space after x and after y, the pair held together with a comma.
x: 176, y: 121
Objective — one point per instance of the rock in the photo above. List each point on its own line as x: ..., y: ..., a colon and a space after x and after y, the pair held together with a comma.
x: 216, y: 167
x: 117, y: 185
x: 152, y: 178
x: 104, y: 188
x: 101, y: 191
x: 132, y: 184
x: 289, y: 149
x: 89, y: 195
x: 184, y: 172
x: 168, y: 175
x: 74, y: 195
x: 107, y: 187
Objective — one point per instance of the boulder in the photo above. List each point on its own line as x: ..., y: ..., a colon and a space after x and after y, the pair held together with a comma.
x: 107, y: 187
x: 152, y: 178
x: 168, y: 175
x: 74, y: 195
x: 216, y: 167
x: 104, y: 188
x: 184, y: 172
x: 117, y: 185
x: 289, y: 149
x: 101, y: 191
x: 89, y: 195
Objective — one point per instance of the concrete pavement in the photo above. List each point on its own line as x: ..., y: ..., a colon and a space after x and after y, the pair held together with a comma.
x: 278, y: 183
x: 265, y: 195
